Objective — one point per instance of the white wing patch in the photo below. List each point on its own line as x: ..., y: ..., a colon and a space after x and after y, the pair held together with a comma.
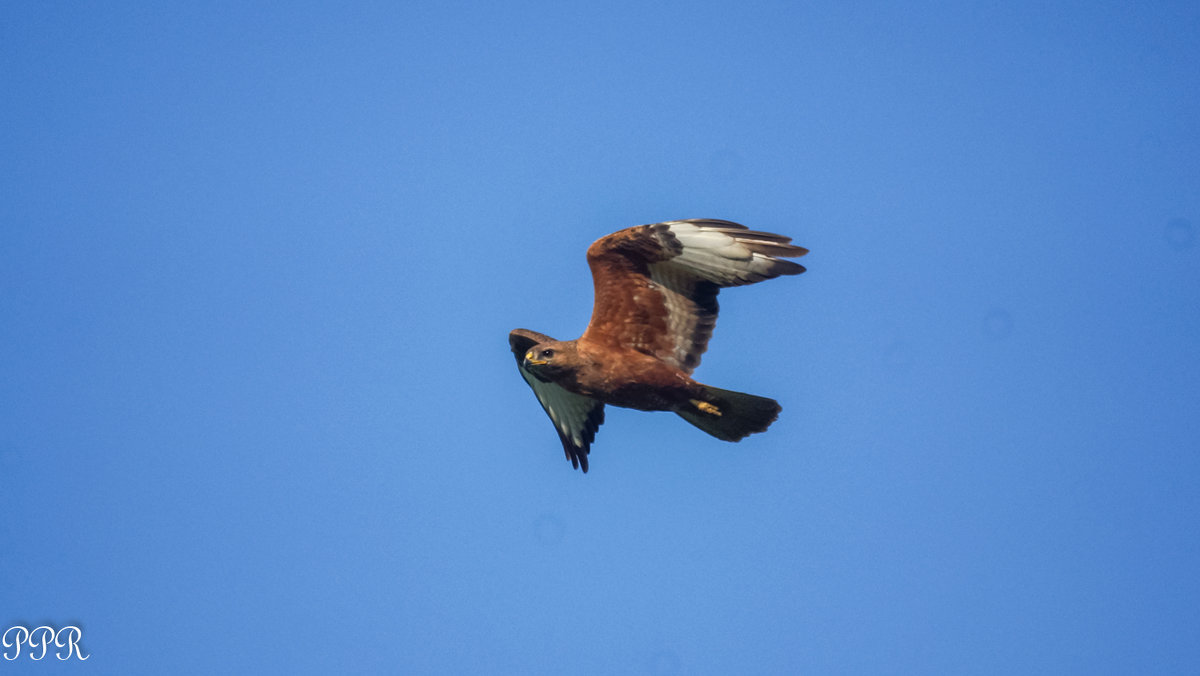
x: 687, y: 320
x: 709, y: 255
x: 731, y: 256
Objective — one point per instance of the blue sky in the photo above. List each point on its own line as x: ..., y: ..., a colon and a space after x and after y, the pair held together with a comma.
x: 259, y: 261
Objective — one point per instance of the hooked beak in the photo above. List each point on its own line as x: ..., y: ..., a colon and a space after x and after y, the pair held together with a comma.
x: 531, y: 360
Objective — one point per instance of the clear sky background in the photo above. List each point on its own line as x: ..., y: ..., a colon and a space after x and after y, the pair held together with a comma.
x: 259, y: 261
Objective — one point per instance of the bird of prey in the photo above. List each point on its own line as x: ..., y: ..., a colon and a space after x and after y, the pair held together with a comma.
x: 655, y: 308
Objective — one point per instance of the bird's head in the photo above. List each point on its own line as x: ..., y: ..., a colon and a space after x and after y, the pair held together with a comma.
x: 549, y: 360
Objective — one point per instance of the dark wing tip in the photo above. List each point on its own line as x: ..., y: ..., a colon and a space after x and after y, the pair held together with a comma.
x: 578, y: 455
x: 782, y: 267
x: 719, y: 223
x: 523, y: 339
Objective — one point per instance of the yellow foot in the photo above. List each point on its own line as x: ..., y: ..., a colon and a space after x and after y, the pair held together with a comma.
x: 706, y: 407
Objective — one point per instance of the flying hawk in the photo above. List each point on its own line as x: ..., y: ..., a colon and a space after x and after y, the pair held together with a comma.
x: 654, y: 311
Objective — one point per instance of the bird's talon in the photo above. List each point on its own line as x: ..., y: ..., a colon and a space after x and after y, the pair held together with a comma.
x: 706, y: 407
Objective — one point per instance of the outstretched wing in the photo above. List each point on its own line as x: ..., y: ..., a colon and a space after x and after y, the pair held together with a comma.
x: 656, y: 285
x: 575, y: 417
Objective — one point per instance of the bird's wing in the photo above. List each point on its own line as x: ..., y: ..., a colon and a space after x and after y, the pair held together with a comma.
x: 656, y: 285
x: 575, y: 417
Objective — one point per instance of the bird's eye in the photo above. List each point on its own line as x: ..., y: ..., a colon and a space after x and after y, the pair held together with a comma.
x: 547, y: 353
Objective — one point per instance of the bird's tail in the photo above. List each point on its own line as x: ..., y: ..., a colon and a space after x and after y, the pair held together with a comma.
x: 729, y: 415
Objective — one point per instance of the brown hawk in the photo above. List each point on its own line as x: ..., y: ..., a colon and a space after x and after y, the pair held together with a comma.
x: 655, y: 308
